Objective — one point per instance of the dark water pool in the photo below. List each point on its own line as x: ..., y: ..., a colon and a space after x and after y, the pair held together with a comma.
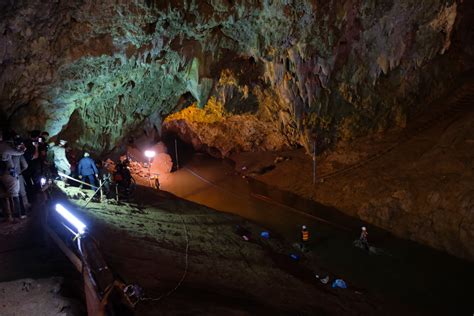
x: 407, y: 274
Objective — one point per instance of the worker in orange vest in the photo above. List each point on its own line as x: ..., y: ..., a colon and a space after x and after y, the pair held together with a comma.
x: 304, y: 237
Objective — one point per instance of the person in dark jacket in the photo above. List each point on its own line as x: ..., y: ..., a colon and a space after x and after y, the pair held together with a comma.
x: 87, y: 169
x: 32, y: 175
x: 20, y: 165
x: 10, y: 186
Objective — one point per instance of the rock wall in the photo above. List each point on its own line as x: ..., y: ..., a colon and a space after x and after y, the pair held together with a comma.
x: 94, y: 72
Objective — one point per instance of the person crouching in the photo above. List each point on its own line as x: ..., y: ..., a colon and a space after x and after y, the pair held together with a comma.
x: 304, y: 237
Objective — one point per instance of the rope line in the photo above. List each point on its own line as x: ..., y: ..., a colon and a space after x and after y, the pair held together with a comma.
x: 268, y: 199
x: 455, y: 109
x: 211, y: 183
x: 184, y: 272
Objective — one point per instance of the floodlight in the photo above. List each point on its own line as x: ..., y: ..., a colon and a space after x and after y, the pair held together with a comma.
x: 149, y: 154
x: 43, y: 181
x: 81, y: 228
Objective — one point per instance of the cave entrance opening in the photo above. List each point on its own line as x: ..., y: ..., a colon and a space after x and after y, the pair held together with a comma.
x: 180, y: 151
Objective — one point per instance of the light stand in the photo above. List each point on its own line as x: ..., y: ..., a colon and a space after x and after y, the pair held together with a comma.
x: 149, y: 154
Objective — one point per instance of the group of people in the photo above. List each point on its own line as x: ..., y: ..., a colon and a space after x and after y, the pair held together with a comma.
x: 23, y: 161
x: 89, y: 171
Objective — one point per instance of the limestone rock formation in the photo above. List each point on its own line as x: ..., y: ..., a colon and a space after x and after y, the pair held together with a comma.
x: 233, y: 76
x: 219, y: 133
x: 416, y: 183
x: 93, y: 72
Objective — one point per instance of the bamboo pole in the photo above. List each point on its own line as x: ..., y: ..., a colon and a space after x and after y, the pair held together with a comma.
x: 314, y: 162
x: 74, y: 179
x: 101, y: 191
x: 176, y: 153
x: 98, y: 189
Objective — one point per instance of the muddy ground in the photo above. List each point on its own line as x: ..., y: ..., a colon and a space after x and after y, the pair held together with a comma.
x: 156, y: 239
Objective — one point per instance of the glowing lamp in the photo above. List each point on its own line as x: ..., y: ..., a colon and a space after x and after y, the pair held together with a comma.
x: 149, y: 154
x: 43, y: 181
x: 74, y: 221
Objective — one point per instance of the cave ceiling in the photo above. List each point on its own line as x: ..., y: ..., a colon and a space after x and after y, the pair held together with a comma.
x: 272, y: 73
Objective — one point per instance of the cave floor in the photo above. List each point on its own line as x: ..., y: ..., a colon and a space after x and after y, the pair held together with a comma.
x: 35, y: 279
x: 145, y: 241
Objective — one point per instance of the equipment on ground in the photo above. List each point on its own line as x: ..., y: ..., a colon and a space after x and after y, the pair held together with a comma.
x: 339, y: 283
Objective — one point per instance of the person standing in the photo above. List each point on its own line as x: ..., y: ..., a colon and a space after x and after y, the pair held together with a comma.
x: 32, y: 156
x: 73, y: 161
x: 363, y: 238
x: 43, y: 149
x: 105, y: 176
x: 52, y: 172
x: 88, y: 170
x: 20, y: 165
x: 9, y: 180
x: 304, y: 237
x: 60, y: 161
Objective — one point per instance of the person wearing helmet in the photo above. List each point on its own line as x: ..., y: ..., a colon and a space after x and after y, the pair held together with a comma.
x: 304, y: 237
x: 10, y: 186
x: 61, y: 162
x: 363, y: 238
x: 88, y: 170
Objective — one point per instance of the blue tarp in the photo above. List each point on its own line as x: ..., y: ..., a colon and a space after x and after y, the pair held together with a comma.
x: 339, y: 283
x: 294, y: 256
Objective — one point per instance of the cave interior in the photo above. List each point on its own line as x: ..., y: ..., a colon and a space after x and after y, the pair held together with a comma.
x: 262, y: 116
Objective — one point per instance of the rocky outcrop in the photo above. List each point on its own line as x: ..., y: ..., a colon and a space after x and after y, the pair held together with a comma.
x: 336, y: 71
x: 93, y: 72
x: 416, y: 183
x: 219, y: 133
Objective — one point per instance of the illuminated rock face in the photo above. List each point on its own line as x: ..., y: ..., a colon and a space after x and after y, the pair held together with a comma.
x: 96, y: 71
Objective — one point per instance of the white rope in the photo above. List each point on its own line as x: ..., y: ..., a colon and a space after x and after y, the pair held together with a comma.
x: 269, y: 200
x: 184, y: 272
x: 74, y: 179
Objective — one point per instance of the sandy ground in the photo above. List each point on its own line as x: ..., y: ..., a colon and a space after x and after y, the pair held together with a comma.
x: 34, y: 279
x: 156, y: 240
x: 34, y: 297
